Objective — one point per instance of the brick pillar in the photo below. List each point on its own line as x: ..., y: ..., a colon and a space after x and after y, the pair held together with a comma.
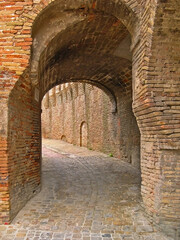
x: 156, y: 107
x: 5, y: 85
x: 24, y: 143
x: 160, y: 161
x: 4, y: 175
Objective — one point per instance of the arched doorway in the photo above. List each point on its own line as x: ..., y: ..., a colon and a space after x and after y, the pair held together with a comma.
x: 63, y: 138
x: 83, y: 134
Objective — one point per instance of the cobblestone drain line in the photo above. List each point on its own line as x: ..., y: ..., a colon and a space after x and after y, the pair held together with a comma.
x: 85, y: 198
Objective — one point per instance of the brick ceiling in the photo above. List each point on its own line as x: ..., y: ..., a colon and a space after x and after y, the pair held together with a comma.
x: 91, y: 49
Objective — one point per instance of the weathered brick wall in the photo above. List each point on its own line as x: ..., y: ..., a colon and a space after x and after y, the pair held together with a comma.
x: 4, y: 173
x: 155, y: 107
x: 129, y: 135
x: 20, y: 155
x: 163, y: 81
x: 67, y: 106
x: 23, y: 145
x: 14, y: 55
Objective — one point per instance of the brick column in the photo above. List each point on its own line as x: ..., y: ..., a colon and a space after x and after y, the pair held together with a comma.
x: 156, y: 106
x: 4, y: 174
x: 6, y: 83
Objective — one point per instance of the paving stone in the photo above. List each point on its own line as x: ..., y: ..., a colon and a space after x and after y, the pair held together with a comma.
x: 106, y: 235
x: 83, y: 197
x: 144, y: 229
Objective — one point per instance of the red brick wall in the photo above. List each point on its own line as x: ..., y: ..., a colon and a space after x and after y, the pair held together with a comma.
x: 23, y: 145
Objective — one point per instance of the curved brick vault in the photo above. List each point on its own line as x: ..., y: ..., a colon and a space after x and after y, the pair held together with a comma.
x: 120, y: 45
x: 92, y: 47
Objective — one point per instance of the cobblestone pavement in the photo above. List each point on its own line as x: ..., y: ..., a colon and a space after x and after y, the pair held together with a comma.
x: 85, y: 195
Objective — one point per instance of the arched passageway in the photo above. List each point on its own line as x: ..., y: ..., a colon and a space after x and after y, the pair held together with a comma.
x: 88, y: 50
x: 112, y: 44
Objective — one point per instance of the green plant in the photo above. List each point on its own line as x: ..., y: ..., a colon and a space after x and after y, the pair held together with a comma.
x: 110, y: 155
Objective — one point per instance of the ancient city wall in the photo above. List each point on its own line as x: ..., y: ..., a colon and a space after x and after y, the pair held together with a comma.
x: 81, y: 114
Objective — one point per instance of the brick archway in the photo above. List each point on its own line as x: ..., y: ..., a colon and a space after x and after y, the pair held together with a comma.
x: 22, y: 88
x: 33, y: 89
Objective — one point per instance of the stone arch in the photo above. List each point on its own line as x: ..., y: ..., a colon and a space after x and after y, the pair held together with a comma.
x: 83, y: 134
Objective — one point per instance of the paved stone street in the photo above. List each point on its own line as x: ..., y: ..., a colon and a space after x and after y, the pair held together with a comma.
x: 85, y: 195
